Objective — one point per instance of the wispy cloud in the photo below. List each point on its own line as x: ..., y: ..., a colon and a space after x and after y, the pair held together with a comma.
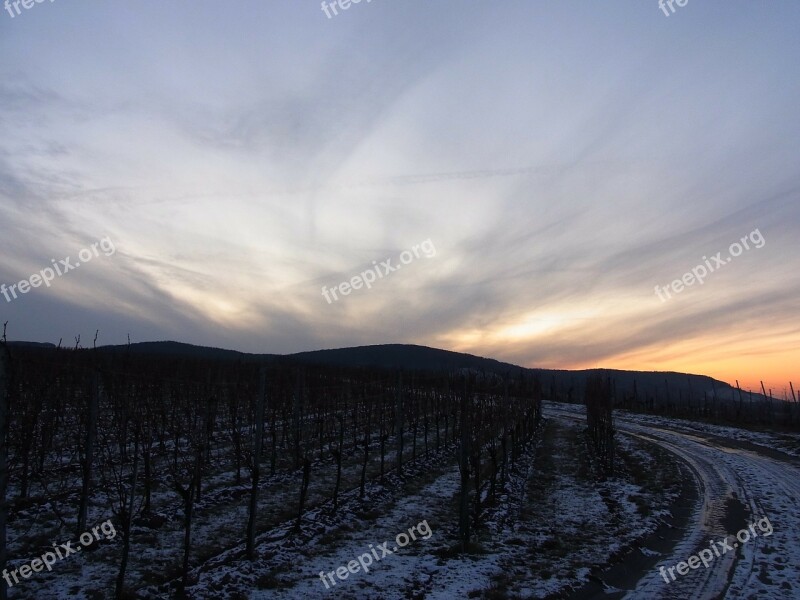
x: 566, y: 159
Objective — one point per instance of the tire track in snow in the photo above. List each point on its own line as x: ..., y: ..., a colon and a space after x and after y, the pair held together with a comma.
x: 726, y: 476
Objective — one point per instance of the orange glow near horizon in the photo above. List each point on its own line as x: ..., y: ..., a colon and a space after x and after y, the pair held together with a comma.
x: 772, y: 359
x: 750, y: 371
x: 775, y: 369
x: 769, y: 356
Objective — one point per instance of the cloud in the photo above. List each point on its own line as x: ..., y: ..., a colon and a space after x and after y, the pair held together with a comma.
x: 564, y: 160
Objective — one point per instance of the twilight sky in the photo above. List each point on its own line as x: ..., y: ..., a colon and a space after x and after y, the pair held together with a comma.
x: 563, y: 159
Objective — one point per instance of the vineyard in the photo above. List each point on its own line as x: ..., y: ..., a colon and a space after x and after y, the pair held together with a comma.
x: 189, y: 477
x: 164, y: 447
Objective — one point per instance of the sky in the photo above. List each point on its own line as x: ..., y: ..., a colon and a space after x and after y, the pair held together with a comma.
x: 551, y: 162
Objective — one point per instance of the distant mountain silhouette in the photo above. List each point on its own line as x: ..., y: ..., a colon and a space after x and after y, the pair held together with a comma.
x: 32, y: 344
x: 403, y: 356
x: 658, y: 384
x: 662, y: 386
x: 181, y: 350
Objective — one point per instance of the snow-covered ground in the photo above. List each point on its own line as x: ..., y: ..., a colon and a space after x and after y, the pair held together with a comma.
x: 555, y: 530
x: 738, y: 487
x: 553, y: 523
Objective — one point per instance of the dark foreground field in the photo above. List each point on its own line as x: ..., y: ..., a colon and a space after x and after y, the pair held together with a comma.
x: 372, y: 483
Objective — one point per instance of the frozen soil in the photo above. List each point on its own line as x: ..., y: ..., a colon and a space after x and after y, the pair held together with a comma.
x: 555, y: 528
x: 553, y: 523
